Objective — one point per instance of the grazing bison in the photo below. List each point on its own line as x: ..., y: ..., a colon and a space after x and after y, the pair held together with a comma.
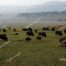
x: 4, y: 30
x: 53, y: 29
x: 43, y: 34
x: 28, y: 39
x: 9, y: 27
x: 3, y: 37
x: 62, y: 41
x: 45, y: 28
x: 24, y: 29
x: 0, y: 28
x: 65, y: 31
x: 16, y: 34
x: 38, y: 37
x: 29, y: 29
x: 58, y: 33
x: 35, y: 30
x: 29, y: 33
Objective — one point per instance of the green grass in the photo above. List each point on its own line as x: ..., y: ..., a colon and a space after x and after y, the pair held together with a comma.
x: 46, y: 52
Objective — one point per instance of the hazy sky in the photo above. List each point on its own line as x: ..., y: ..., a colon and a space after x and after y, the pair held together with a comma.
x: 25, y: 2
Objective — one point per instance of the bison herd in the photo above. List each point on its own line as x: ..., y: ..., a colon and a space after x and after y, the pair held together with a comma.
x: 29, y: 32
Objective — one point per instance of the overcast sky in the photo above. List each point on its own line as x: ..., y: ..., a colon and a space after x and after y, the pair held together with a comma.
x: 25, y: 2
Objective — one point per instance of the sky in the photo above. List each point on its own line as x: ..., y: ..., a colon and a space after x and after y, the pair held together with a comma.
x: 25, y: 2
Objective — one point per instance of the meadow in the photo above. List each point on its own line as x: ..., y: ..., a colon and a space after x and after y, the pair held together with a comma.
x: 46, y: 52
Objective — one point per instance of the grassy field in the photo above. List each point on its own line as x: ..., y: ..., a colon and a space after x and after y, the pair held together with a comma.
x: 46, y: 52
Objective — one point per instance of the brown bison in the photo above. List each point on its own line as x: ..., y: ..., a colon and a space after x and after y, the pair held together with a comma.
x: 63, y: 41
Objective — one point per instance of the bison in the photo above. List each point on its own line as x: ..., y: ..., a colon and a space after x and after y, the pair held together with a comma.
x: 65, y: 31
x: 3, y: 37
x: 24, y: 29
x: 9, y: 27
x: 38, y: 37
x: 14, y: 29
x: 58, y: 33
x: 29, y: 29
x: 45, y: 28
x: 4, y: 30
x: 16, y: 34
x: 43, y: 34
x: 0, y: 28
x: 35, y: 30
x: 28, y: 39
x: 29, y: 33
x: 62, y: 41
x: 53, y: 29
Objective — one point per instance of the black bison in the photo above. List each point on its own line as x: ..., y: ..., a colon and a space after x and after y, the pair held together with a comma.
x: 53, y: 29
x: 24, y: 29
x: 28, y: 39
x: 45, y: 28
x: 58, y: 33
x: 0, y: 28
x: 9, y: 27
x: 3, y: 37
x: 16, y: 34
x: 29, y: 33
x: 38, y: 37
x: 35, y: 30
x: 43, y: 34
x: 65, y: 31
x: 4, y: 30
x: 29, y: 29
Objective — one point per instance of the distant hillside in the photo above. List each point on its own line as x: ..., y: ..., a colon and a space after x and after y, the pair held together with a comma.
x: 45, y: 16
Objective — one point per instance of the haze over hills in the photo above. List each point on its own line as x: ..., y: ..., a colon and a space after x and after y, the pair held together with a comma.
x: 51, y: 11
x: 49, y: 6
